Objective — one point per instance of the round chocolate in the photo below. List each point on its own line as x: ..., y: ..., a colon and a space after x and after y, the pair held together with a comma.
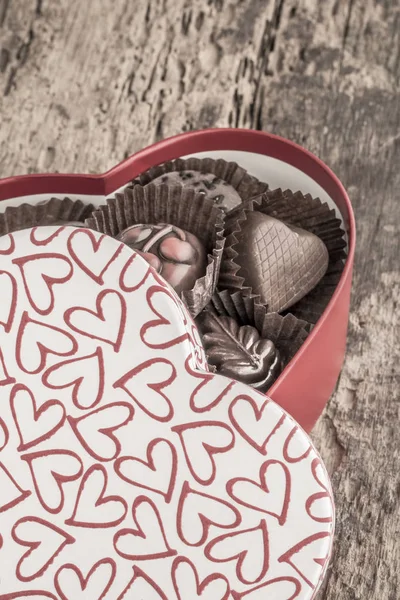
x: 208, y: 185
x: 279, y: 262
x: 177, y: 255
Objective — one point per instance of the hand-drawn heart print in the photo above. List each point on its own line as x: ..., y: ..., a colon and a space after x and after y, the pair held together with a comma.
x: 304, y: 555
x: 10, y: 492
x: 157, y: 474
x: 93, y: 508
x: 296, y: 447
x: 281, y: 588
x: 249, y: 547
x: 85, y: 374
x: 148, y: 541
x: 161, y: 333
x: 198, y: 511
x: 210, y: 390
x: 50, y: 470
x: 4, y: 435
x: 40, y: 273
x: 5, y: 378
x: 199, y: 353
x: 132, y: 278
x: 188, y: 586
x: 141, y: 586
x: 42, y: 236
x: 256, y: 425
x: 45, y: 542
x: 8, y: 286
x: 95, y: 430
x: 200, y: 442
x: 7, y: 244
x: 140, y: 457
x: 31, y: 594
x: 260, y: 496
x: 35, y: 340
x: 106, y: 323
x: 72, y: 585
x: 34, y: 425
x: 319, y: 505
x: 145, y: 384
x: 91, y: 254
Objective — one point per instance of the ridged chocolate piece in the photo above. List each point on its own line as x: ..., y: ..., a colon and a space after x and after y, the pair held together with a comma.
x: 280, y: 263
x: 223, y: 195
x: 226, y: 183
x: 239, y: 352
x: 288, y: 333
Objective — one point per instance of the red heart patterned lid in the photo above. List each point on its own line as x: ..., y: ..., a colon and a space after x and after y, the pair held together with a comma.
x: 127, y: 470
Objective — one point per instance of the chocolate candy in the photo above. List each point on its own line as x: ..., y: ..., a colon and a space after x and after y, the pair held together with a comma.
x: 280, y: 263
x: 177, y: 255
x: 224, y: 195
x: 239, y: 352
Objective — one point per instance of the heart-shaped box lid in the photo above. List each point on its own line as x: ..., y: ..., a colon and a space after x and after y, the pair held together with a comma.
x: 126, y: 469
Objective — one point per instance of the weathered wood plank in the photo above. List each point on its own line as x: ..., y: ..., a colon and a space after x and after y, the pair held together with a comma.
x: 84, y: 84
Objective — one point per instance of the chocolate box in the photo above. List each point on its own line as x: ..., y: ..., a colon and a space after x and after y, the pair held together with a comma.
x: 312, y: 374
x: 126, y: 469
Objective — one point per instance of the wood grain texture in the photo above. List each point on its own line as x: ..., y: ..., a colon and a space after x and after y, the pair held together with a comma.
x: 85, y: 84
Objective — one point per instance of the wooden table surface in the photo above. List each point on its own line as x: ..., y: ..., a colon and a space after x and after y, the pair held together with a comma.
x: 85, y: 83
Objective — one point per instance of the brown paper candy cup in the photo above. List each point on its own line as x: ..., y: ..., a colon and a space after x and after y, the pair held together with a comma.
x: 288, y: 333
x: 313, y: 305
x: 50, y: 212
x: 301, y: 211
x: 245, y: 185
x: 177, y: 206
x: 309, y: 214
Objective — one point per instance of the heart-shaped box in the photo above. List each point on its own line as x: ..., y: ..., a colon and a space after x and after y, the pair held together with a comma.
x: 312, y: 373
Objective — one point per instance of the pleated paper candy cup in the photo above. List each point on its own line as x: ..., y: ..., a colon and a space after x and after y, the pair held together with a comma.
x: 177, y: 206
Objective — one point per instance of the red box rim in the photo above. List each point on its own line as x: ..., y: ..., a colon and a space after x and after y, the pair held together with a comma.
x: 192, y: 142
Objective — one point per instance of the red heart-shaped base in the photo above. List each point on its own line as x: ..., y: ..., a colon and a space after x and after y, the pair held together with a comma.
x: 313, y: 372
